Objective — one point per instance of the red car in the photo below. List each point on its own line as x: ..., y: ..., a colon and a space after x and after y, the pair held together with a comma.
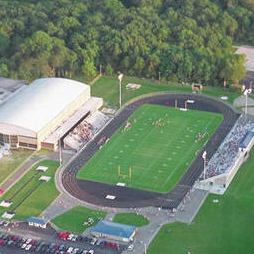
x: 1, y: 192
x: 14, y: 238
x: 1, y: 241
x: 57, y: 246
x: 63, y: 235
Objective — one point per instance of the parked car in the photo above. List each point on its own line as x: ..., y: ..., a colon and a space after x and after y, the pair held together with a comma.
x: 15, y: 238
x: 23, y: 246
x: 94, y: 240
x: 33, y: 248
x: 63, y: 235
x: 70, y: 249
x: 61, y: 247
x: 5, y: 242
x: 130, y: 247
x: 70, y: 237
x: 28, y: 247
x: 28, y: 240
x: 6, y: 223
x: 74, y: 238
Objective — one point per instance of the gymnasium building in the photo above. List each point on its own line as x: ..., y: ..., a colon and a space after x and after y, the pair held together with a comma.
x: 40, y: 114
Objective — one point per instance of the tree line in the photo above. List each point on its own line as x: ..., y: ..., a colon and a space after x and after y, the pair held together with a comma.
x: 182, y: 41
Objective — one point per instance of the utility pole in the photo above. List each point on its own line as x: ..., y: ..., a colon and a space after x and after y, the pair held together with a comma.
x: 120, y: 77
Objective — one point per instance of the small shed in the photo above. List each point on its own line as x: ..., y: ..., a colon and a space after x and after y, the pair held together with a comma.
x: 37, y: 222
x: 114, y: 231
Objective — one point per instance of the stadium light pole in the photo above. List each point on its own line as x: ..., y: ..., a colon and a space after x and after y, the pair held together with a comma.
x: 100, y: 70
x: 246, y: 92
x: 59, y: 147
x: 204, y: 158
x: 120, y: 77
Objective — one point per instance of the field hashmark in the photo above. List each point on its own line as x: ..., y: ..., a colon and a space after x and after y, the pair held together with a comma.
x: 157, y: 142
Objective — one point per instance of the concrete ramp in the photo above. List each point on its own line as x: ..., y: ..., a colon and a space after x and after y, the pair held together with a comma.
x: 188, y: 210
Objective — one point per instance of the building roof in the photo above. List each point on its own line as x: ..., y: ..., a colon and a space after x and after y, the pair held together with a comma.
x: 114, y: 229
x: 246, y: 139
x: 8, y: 87
x: 39, y: 103
x: 37, y: 220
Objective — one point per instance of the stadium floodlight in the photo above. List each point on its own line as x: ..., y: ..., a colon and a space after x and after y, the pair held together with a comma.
x: 120, y: 77
x: 245, y: 93
x: 204, y: 158
x: 59, y: 146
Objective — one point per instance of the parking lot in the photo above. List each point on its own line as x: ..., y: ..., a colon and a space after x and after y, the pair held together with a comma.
x: 72, y: 244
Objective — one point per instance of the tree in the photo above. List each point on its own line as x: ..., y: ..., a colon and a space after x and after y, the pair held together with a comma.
x: 3, y: 70
x: 4, y: 43
x: 88, y: 69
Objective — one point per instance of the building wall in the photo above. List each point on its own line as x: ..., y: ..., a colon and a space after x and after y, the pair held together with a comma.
x: 59, y: 119
x: 112, y: 237
x: 47, y: 146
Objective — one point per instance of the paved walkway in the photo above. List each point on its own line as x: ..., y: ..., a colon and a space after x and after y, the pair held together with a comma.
x: 240, y: 103
x: 241, y: 100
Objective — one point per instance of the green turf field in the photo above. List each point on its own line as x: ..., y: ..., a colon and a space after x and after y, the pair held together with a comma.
x: 224, y: 227
x: 40, y: 199
x: 132, y: 219
x: 159, y: 146
x: 73, y: 220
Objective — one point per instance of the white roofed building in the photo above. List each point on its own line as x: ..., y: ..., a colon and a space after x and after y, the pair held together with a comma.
x: 43, y: 109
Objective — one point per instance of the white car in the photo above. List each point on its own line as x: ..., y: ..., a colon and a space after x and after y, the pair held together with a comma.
x: 94, y: 240
x: 75, y: 250
x: 130, y: 247
x: 28, y: 240
x: 70, y: 237
x: 74, y: 238
x: 70, y: 250
x: 23, y: 246
x: 99, y: 242
x: 84, y: 251
x: 91, y: 251
x: 28, y: 247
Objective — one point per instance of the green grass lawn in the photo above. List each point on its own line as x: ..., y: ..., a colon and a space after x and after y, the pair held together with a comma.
x: 133, y: 219
x: 108, y: 89
x: 9, y: 163
x: 73, y: 220
x: 224, y: 227
x: 158, y: 155
x: 39, y: 199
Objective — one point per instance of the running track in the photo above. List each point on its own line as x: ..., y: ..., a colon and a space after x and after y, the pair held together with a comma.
x: 95, y: 193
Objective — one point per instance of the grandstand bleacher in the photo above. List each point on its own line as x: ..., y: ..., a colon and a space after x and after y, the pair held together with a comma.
x: 224, y: 158
x: 85, y: 131
x: 226, y: 161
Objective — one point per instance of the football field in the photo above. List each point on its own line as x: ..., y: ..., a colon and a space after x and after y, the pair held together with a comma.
x: 153, y: 149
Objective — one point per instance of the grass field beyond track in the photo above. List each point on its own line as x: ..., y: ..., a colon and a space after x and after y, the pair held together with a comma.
x: 39, y: 199
x: 223, y: 227
x: 159, y: 146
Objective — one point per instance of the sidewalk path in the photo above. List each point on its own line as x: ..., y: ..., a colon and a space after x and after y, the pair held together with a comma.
x: 19, y: 173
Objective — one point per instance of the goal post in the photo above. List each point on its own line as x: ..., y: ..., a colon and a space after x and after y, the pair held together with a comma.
x: 129, y: 175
